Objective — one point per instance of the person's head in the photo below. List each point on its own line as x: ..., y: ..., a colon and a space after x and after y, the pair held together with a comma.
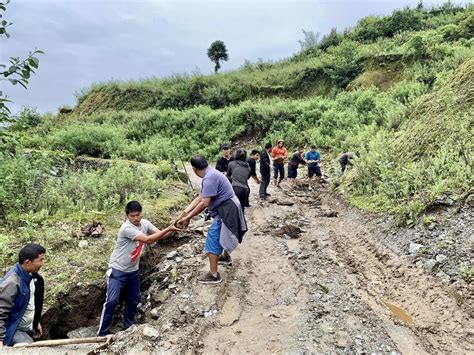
x: 31, y: 257
x: 255, y: 154
x: 280, y: 143
x: 268, y: 147
x: 199, y: 164
x: 301, y: 149
x: 240, y: 154
x: 225, y: 150
x: 133, y: 210
x: 313, y: 147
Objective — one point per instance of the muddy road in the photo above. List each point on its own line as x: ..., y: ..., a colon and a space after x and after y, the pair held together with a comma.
x: 311, y: 275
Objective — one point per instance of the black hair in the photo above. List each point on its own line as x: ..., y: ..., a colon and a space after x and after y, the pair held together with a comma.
x: 240, y: 154
x: 313, y: 146
x: 268, y: 146
x: 254, y: 151
x: 30, y: 252
x: 301, y: 147
x: 199, y: 162
x: 133, y: 206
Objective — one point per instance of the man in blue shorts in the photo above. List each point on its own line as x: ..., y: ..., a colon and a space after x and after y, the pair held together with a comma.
x: 228, y: 225
x: 313, y: 157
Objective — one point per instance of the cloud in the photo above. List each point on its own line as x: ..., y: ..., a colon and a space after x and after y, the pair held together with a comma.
x: 89, y: 41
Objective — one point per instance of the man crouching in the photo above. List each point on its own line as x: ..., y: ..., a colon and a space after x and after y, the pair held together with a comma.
x: 21, y: 298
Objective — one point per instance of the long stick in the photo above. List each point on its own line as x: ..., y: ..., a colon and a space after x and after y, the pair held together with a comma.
x: 184, y: 167
x: 59, y: 342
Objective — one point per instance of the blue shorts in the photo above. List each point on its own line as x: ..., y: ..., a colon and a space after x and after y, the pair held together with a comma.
x: 213, y: 245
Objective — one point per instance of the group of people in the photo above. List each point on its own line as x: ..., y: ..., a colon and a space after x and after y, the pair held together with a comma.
x: 238, y: 168
x: 224, y: 194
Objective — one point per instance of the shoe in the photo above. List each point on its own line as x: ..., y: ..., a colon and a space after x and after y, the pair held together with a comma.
x: 267, y: 194
x: 225, y: 260
x: 210, y: 279
x: 310, y: 188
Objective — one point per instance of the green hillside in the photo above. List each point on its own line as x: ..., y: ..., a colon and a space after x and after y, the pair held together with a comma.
x: 396, y: 90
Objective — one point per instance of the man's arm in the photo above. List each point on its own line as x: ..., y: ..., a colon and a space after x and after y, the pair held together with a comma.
x: 148, y: 239
x: 198, y: 208
x: 8, y: 291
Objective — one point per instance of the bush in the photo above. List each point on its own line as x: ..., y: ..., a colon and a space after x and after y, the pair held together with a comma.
x: 93, y: 140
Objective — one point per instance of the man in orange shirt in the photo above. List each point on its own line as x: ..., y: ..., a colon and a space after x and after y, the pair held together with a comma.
x: 279, y: 155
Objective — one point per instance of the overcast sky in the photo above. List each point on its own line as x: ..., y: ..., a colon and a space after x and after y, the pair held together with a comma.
x: 89, y: 41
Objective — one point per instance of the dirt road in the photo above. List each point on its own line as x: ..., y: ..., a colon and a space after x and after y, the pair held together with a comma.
x: 306, y: 282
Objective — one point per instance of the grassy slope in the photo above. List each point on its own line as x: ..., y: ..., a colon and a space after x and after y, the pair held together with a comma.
x: 396, y: 99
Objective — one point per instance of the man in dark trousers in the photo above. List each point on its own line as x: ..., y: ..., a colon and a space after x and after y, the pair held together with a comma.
x: 252, y: 160
x: 344, y: 160
x: 21, y: 298
x: 223, y: 162
x: 265, y: 169
x: 124, y: 271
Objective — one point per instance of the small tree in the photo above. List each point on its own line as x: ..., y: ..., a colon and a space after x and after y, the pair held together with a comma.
x: 217, y: 53
x: 18, y: 71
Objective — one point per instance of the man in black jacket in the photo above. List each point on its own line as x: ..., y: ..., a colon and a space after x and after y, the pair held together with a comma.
x: 265, y: 164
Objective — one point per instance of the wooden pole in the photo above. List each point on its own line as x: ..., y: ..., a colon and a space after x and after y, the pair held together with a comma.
x: 59, y: 342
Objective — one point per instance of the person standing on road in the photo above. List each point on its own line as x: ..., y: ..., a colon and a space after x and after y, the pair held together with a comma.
x: 313, y: 157
x: 228, y: 225
x: 239, y: 172
x: 224, y: 160
x: 279, y: 155
x: 293, y: 164
x: 21, y: 298
x: 265, y: 163
x: 252, y: 160
x: 123, y: 273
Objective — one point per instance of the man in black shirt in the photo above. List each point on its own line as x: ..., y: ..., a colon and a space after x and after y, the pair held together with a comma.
x: 344, y: 160
x: 265, y: 163
x: 293, y: 164
x: 223, y: 162
x: 252, y: 160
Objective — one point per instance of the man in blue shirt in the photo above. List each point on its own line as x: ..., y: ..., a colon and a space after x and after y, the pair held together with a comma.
x: 313, y: 157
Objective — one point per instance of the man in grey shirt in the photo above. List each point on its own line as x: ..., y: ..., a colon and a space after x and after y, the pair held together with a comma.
x: 123, y: 271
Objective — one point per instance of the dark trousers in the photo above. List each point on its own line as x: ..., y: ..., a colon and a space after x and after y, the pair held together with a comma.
x: 118, y: 280
x: 278, y: 168
x: 243, y: 196
x: 264, y: 182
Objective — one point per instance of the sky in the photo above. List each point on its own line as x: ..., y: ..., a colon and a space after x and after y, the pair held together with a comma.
x: 90, y: 41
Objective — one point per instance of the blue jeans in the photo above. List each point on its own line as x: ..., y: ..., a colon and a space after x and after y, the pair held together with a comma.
x: 118, y: 280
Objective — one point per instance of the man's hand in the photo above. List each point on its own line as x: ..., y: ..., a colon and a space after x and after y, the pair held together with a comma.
x: 182, y: 223
x: 173, y: 228
x: 39, y: 331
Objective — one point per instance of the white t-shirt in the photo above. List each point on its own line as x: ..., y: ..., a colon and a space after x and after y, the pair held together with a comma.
x: 26, y: 323
x: 127, y: 252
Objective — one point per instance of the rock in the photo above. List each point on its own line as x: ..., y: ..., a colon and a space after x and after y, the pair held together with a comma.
x: 83, y: 244
x: 430, y: 265
x: 179, y: 259
x: 155, y: 313
x: 150, y: 332
x: 171, y: 254
x: 414, y: 248
x: 285, y: 203
x: 84, y: 332
x: 440, y: 258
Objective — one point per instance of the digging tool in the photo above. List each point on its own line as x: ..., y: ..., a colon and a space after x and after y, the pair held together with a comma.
x: 59, y: 342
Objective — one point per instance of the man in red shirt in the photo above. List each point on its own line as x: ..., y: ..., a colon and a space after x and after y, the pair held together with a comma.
x: 279, y: 155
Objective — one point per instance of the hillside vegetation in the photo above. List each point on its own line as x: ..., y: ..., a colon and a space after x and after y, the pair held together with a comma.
x: 396, y: 90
